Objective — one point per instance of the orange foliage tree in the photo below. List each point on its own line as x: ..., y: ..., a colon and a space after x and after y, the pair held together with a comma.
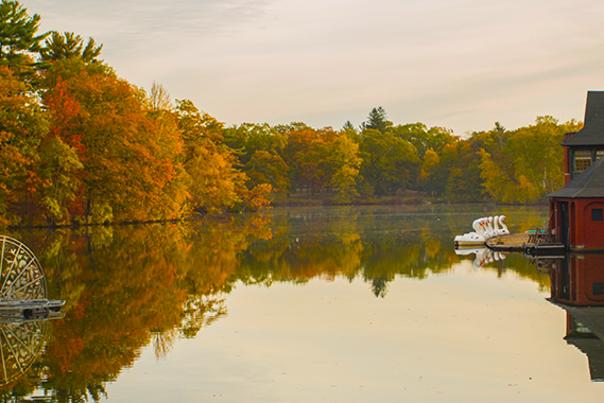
x: 22, y: 127
x: 129, y: 157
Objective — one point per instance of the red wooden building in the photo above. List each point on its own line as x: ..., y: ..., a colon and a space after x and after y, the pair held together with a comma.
x: 577, y: 210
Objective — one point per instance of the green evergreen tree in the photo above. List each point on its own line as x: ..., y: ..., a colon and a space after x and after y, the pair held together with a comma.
x: 66, y: 45
x: 348, y: 127
x: 377, y: 120
x: 18, y: 36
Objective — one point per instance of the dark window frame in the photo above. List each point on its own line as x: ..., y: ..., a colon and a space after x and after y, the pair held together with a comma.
x: 597, y: 214
x: 573, y: 152
x: 597, y: 289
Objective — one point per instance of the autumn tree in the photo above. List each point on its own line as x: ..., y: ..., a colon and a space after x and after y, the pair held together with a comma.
x: 248, y: 138
x: 260, y: 151
x: 213, y: 180
x: 78, y: 144
x: 457, y: 176
x: 424, y: 138
x: 216, y: 182
x: 267, y: 167
x: 159, y: 99
x: 389, y: 163
x: 429, y: 165
x: 176, y: 195
x: 128, y: 157
x: 59, y: 170
x: 346, y: 161
x: 323, y: 161
x: 23, y: 125
x: 523, y: 165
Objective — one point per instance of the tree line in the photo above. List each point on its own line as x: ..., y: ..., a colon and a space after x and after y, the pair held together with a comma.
x: 80, y: 145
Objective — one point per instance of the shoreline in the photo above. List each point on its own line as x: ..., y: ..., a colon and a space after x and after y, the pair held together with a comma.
x: 290, y: 203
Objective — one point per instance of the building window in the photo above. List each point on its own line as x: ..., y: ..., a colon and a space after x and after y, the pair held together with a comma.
x: 582, y: 161
x: 597, y: 288
x: 599, y: 154
x: 597, y: 214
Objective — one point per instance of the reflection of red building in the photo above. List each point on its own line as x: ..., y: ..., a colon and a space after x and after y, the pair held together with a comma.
x: 577, y: 210
x: 578, y: 280
x: 578, y: 287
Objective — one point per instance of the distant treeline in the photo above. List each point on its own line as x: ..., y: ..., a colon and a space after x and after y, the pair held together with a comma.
x: 79, y: 145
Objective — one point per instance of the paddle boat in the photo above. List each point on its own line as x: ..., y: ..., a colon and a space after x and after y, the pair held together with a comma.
x: 484, y: 228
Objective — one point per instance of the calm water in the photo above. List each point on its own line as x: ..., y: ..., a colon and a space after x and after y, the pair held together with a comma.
x: 307, y: 304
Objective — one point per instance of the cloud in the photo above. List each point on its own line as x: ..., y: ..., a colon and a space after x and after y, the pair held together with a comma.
x: 457, y: 63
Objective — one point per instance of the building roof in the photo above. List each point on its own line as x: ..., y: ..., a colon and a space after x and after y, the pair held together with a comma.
x: 589, y: 184
x: 593, y: 347
x: 593, y: 128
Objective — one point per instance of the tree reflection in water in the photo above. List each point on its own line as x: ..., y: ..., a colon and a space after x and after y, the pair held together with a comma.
x: 21, y: 344
x: 129, y: 286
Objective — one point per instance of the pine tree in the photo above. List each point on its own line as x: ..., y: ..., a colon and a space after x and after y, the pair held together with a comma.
x: 18, y: 39
x: 348, y: 127
x: 377, y: 120
x: 63, y: 46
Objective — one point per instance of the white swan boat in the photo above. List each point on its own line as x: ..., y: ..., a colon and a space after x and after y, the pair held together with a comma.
x: 485, y: 228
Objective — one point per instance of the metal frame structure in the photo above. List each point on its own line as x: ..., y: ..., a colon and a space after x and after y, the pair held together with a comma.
x: 21, y: 344
x: 21, y: 275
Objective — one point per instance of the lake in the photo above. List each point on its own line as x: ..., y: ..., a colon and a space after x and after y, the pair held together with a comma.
x: 329, y: 304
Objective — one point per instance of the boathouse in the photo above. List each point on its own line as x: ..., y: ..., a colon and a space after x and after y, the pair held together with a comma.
x: 577, y: 210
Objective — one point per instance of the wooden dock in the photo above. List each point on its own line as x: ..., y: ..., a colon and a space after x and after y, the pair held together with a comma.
x: 522, y: 243
x: 509, y: 243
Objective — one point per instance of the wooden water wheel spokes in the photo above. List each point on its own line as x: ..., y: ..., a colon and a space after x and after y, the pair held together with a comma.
x: 21, y: 275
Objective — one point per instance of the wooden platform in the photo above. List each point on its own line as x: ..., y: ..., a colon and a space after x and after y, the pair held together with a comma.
x: 512, y: 242
x: 521, y: 243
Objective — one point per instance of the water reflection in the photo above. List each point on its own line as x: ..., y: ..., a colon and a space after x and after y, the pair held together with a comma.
x: 128, y: 287
x: 578, y: 288
x: 21, y: 344
x: 482, y: 256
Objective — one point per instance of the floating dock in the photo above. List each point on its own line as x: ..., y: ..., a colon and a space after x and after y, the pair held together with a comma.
x: 522, y: 243
x: 508, y: 243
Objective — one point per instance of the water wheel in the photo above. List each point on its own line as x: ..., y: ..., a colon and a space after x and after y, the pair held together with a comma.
x: 21, y: 275
x: 21, y: 279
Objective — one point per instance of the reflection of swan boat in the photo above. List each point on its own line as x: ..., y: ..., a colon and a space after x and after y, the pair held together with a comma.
x: 483, y: 257
x: 469, y: 241
x: 484, y: 228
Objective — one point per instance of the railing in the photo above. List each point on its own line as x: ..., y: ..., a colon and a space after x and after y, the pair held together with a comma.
x: 540, y: 236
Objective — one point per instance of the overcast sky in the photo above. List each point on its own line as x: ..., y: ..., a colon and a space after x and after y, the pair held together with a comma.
x: 462, y: 64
